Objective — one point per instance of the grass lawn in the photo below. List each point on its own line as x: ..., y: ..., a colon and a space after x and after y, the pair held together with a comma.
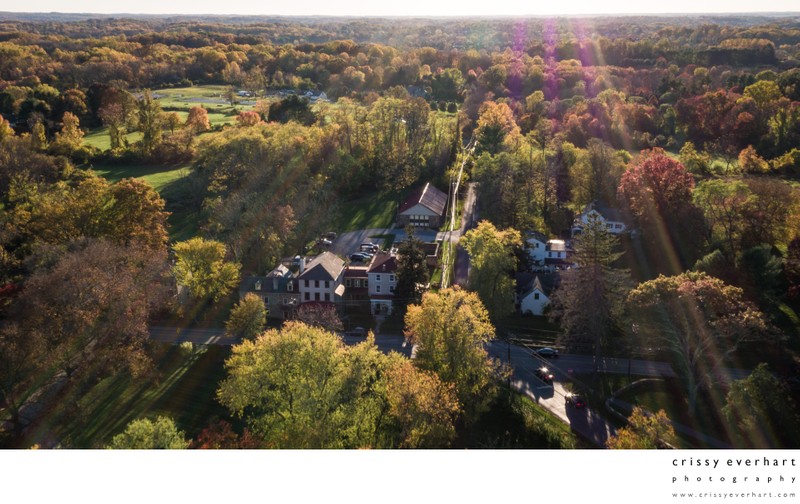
x: 158, y: 176
x: 368, y: 212
x: 516, y: 421
x: 530, y: 329
x: 184, y: 389
x: 99, y: 138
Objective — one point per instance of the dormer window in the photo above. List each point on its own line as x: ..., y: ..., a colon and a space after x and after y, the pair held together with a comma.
x: 258, y: 285
x: 289, y: 286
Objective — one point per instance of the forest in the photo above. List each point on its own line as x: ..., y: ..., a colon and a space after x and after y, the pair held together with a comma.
x: 143, y: 157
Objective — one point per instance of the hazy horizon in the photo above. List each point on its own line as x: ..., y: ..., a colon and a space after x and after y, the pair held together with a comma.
x: 410, y: 8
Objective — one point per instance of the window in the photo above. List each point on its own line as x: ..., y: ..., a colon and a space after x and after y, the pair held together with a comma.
x: 266, y: 300
x: 316, y: 284
x: 316, y: 296
x: 377, y: 278
x: 391, y: 289
x: 347, y: 282
x: 378, y: 289
x: 306, y: 283
x: 290, y: 286
x: 327, y: 284
x: 327, y: 297
x: 258, y: 285
x: 536, y: 295
x: 307, y: 297
x: 391, y: 278
x: 365, y: 283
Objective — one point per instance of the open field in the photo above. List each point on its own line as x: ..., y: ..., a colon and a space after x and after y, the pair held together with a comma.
x: 374, y: 211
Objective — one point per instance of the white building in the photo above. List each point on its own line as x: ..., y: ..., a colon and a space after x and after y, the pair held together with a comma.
x: 611, y: 217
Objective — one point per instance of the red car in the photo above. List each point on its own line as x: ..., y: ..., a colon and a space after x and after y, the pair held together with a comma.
x: 544, y: 374
x: 575, y: 400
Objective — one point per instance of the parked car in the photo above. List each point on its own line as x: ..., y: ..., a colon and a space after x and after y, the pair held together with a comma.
x: 544, y: 374
x: 330, y: 235
x: 575, y: 400
x: 325, y: 242
x: 369, y: 247
x: 357, y: 331
x: 547, y: 353
x: 358, y: 257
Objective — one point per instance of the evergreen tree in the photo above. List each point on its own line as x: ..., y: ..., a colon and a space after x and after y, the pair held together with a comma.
x: 589, y: 300
x: 412, y: 272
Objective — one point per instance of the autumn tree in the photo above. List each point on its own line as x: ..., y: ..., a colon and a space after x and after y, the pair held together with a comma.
x: 700, y: 321
x: 321, y: 315
x: 589, y: 302
x: 201, y: 267
x: 493, y: 262
x: 136, y: 214
x: 118, y: 113
x: 69, y: 139
x: 248, y: 318
x: 658, y: 192
x: 83, y: 319
x: 645, y: 431
x: 450, y: 329
x: 302, y: 387
x: 146, y: 434
x: 496, y: 125
x: 197, y: 121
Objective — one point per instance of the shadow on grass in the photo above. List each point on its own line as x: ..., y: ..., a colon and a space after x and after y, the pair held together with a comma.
x: 182, y: 388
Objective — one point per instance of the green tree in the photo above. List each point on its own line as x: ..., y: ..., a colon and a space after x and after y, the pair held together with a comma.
x: 201, y: 267
x: 412, y: 271
x: 150, y: 120
x: 248, y: 318
x: 700, y: 321
x: 451, y: 328
x: 762, y: 412
x: 146, y: 434
x: 645, y: 431
x: 493, y: 261
x: 590, y: 300
x: 302, y: 387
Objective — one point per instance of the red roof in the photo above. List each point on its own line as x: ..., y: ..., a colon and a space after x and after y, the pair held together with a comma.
x: 384, y: 262
x: 427, y: 196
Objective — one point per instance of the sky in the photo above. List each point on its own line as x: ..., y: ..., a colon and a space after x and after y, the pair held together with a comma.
x: 401, y: 8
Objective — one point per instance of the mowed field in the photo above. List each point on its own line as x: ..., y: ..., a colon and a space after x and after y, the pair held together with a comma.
x: 180, y: 100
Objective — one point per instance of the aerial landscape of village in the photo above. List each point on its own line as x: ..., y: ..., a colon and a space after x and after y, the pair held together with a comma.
x: 337, y: 232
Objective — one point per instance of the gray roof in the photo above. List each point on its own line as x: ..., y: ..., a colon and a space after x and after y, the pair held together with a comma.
x: 268, y: 284
x: 427, y: 196
x: 537, y: 235
x: 608, y: 213
x: 326, y: 266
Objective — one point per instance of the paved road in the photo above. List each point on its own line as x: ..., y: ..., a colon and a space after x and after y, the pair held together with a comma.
x: 586, y: 422
x: 385, y: 342
x: 469, y: 218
